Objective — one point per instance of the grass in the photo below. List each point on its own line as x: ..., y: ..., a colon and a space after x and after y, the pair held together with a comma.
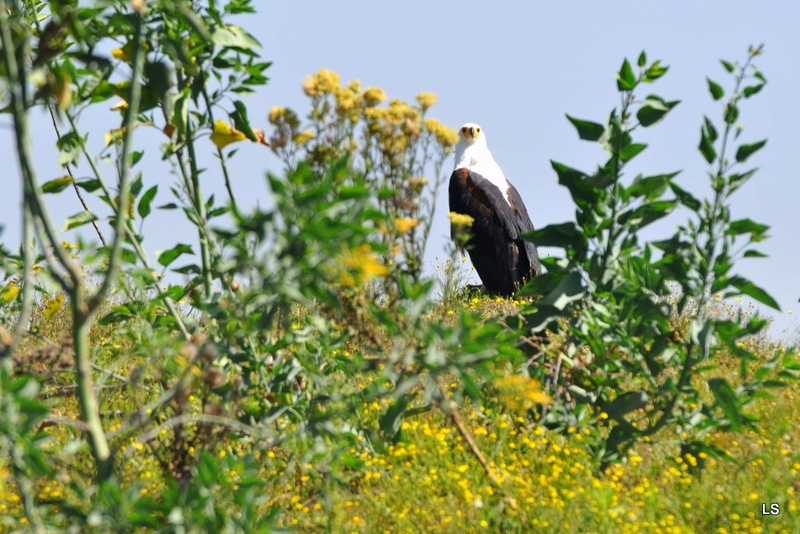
x: 428, y: 480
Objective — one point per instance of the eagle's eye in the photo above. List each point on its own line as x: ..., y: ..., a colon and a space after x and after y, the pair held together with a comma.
x: 464, y: 129
x: 477, y: 129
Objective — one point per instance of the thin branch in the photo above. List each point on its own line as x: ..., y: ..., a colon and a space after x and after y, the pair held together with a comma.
x: 74, y: 185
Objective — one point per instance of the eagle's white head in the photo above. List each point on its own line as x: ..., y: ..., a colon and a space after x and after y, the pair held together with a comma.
x: 471, y: 152
x: 471, y: 149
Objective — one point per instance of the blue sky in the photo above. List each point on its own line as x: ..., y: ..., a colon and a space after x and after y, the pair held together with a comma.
x: 517, y: 68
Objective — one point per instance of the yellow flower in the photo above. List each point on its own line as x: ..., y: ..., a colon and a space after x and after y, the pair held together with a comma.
x: 323, y: 82
x: 348, y: 101
x: 416, y: 183
x: 224, y: 135
x: 54, y: 305
x: 444, y: 136
x: 9, y: 292
x: 405, y: 224
x: 373, y: 96
x: 518, y: 392
x: 359, y: 265
x: 121, y: 54
x: 303, y: 137
x: 460, y: 219
x: 426, y: 100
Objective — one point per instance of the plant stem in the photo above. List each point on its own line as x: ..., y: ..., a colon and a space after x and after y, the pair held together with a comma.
x: 69, y: 171
x: 137, y: 246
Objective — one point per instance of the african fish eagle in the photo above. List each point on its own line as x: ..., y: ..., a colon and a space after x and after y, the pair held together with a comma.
x: 478, y: 188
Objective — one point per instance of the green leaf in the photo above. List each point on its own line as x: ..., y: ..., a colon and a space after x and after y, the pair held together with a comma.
x: 562, y: 235
x: 745, y: 151
x: 158, y: 79
x: 79, y: 219
x: 735, y: 181
x: 648, y: 213
x: 730, y: 67
x: 754, y: 254
x: 588, y: 131
x: 90, y: 186
x: 710, y: 130
x: 626, y: 79
x: 642, y: 59
x: 626, y: 402
x: 747, y: 226
x: 168, y: 256
x: 577, y: 182
x: 728, y: 401
x: 136, y: 185
x: 391, y: 422
x: 57, y: 185
x: 731, y: 113
x: 234, y: 36
x: 746, y: 287
x: 241, y: 122
x: 686, y: 198
x: 706, y: 145
x: 653, y: 110
x: 650, y: 187
x: 174, y: 292
x: 630, y: 151
x: 69, y: 148
x: 752, y: 89
x: 147, y: 199
x: 715, y: 89
x: 569, y: 289
x: 655, y: 71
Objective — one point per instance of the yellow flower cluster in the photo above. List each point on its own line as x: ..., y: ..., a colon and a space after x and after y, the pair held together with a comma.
x: 520, y: 393
x: 358, y: 265
x: 321, y: 83
x: 445, y: 136
x: 374, y: 96
x: 426, y: 100
x: 460, y: 219
x: 404, y: 224
x: 287, y: 126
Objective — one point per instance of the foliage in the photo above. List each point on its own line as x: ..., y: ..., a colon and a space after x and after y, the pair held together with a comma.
x: 392, y: 147
x: 615, y: 299
x: 305, y: 343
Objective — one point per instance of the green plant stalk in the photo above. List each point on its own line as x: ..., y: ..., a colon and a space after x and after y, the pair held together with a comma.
x: 17, y: 82
x: 74, y: 185
x: 192, y: 180
x: 221, y: 156
x: 721, y: 193
x: 121, y: 220
x: 83, y: 310
x: 140, y: 252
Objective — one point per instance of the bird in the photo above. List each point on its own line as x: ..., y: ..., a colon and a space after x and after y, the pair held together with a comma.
x: 478, y: 188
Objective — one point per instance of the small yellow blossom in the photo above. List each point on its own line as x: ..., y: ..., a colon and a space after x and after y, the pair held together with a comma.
x: 358, y: 265
x: 426, y: 100
x: 373, y: 96
x: 54, y: 305
x: 444, y: 136
x: 460, y: 219
x: 518, y: 392
x: 121, y: 53
x: 303, y: 137
x: 405, y: 224
x: 323, y: 82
